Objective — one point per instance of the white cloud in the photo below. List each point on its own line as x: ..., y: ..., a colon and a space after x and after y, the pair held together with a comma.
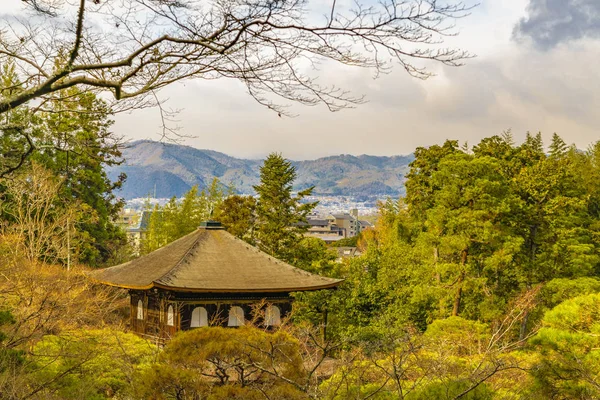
x: 551, y: 22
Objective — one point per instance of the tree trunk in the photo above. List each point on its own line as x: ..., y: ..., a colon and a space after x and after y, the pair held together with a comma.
x: 436, y: 256
x: 456, y: 307
x: 523, y: 329
x: 438, y: 278
x: 461, y: 278
x: 533, y: 230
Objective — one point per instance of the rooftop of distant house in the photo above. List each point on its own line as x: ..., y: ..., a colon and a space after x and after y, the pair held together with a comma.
x: 343, y: 216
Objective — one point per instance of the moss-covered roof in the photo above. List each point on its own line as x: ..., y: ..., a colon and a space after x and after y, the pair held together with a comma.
x: 211, y: 260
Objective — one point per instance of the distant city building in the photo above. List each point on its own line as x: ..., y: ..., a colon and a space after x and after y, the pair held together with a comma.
x: 335, y: 227
x: 127, y: 217
x: 135, y: 224
x: 349, y: 222
x: 324, y: 230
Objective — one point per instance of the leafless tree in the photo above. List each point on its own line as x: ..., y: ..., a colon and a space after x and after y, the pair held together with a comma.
x: 35, y: 215
x: 133, y: 48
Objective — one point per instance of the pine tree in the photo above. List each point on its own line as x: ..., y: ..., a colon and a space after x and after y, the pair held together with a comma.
x: 213, y: 196
x: 279, y: 213
x: 238, y: 215
x: 18, y: 127
x: 155, y: 235
x: 186, y: 214
x: 558, y: 147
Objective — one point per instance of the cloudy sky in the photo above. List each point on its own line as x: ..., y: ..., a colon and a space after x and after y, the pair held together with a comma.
x: 537, y: 69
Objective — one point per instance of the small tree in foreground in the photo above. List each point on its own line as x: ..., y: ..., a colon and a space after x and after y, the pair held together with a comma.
x: 221, y: 363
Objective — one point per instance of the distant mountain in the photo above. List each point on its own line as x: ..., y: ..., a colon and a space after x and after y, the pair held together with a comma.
x: 171, y: 170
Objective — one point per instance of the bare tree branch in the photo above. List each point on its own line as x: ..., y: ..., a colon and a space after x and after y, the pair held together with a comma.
x: 133, y: 48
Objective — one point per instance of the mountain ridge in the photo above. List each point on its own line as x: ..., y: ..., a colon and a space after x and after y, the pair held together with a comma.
x: 172, y: 169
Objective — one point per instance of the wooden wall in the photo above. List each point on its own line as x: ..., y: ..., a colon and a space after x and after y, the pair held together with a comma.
x: 154, y: 324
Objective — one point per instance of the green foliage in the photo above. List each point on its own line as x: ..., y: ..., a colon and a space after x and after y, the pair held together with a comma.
x: 278, y: 212
x: 419, y: 186
x: 569, y: 345
x: 463, y: 336
x: 477, y: 229
x: 451, y: 391
x: 347, y: 242
x: 179, y: 217
x: 239, y: 363
x: 558, y: 290
x: 235, y: 348
x: 238, y: 216
x: 455, y: 358
x: 95, y: 364
x: 78, y: 145
x: 6, y: 318
x: 313, y: 255
x: 10, y: 358
x: 155, y: 235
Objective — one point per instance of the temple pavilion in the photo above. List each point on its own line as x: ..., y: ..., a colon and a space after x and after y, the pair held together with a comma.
x: 208, y: 277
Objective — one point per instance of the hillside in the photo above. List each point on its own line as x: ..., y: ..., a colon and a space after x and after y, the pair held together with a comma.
x: 172, y: 169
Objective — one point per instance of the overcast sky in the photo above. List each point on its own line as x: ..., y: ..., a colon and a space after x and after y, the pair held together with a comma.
x: 537, y: 69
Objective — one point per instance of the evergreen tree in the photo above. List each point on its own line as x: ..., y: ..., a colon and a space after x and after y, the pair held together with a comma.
x: 238, y: 216
x: 419, y: 186
x: 567, y: 347
x: 558, y: 147
x: 155, y: 235
x: 19, y: 127
x: 212, y: 198
x: 184, y: 216
x: 588, y: 168
x: 279, y: 213
x: 475, y: 232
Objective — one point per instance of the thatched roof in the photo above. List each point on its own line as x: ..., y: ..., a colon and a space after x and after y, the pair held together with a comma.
x: 211, y: 260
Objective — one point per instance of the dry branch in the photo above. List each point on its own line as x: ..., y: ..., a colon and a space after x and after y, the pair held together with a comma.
x: 134, y: 47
